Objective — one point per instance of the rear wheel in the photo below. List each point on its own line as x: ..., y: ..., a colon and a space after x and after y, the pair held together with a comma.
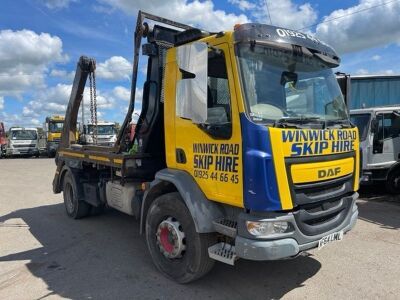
x: 75, y: 209
x: 177, y: 250
x: 393, y: 182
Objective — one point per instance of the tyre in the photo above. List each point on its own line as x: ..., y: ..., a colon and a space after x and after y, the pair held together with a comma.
x: 393, y: 182
x: 75, y: 209
x: 51, y: 154
x: 177, y: 250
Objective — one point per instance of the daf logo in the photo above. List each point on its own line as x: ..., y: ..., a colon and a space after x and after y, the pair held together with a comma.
x: 329, y: 172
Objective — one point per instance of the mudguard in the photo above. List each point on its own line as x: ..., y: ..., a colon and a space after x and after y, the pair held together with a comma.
x: 203, y: 211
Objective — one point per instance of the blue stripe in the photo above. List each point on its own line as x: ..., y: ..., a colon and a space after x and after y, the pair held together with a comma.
x: 259, y: 178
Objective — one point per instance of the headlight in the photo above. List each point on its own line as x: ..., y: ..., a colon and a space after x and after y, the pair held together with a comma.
x: 265, y: 228
x: 89, y: 139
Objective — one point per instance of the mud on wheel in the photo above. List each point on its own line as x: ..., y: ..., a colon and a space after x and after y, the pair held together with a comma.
x: 177, y: 250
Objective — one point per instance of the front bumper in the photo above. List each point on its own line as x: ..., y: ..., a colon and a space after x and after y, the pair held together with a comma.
x: 22, y: 151
x: 371, y: 176
x: 106, y: 144
x: 290, y: 244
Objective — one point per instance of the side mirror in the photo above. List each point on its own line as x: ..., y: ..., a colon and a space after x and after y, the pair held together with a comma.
x: 191, y: 92
x: 396, y: 113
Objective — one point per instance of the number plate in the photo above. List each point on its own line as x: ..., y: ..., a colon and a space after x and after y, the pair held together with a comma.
x: 336, y: 236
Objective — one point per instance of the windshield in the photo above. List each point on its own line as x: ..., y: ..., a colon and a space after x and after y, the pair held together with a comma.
x: 23, y: 135
x: 56, y: 126
x: 361, y: 121
x: 102, y: 129
x: 278, y: 85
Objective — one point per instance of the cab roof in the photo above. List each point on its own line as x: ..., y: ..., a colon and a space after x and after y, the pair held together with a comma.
x: 262, y: 32
x: 375, y: 109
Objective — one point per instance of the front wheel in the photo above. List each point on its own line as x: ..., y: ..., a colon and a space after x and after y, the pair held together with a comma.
x: 393, y: 182
x: 177, y: 250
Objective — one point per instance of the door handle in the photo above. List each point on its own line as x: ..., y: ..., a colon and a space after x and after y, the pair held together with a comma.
x: 180, y: 156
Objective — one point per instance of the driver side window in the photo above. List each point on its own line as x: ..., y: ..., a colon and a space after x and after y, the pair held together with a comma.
x: 218, y: 96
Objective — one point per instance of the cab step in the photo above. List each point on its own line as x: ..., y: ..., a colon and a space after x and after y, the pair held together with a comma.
x: 223, y: 252
x: 226, y: 227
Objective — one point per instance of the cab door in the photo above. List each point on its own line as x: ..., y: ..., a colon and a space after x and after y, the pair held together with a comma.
x: 386, y: 139
x: 211, y: 150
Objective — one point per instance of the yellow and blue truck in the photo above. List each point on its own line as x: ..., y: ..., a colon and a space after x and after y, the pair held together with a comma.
x: 53, y: 127
x: 243, y: 148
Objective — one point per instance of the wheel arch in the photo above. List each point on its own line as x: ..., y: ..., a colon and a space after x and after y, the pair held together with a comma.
x: 394, y: 167
x: 203, y: 211
x: 74, y: 173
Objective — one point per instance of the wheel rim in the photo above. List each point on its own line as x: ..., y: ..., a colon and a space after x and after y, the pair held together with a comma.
x: 69, y: 196
x: 171, y: 238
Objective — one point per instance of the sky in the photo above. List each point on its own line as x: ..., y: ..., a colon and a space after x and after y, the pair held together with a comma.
x: 42, y: 40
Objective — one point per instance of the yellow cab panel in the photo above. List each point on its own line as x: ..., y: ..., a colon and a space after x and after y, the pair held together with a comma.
x: 214, y: 162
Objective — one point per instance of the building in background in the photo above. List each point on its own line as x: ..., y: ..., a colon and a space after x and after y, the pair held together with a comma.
x: 374, y: 90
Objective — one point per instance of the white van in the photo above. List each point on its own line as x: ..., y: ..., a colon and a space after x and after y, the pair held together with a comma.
x: 379, y: 129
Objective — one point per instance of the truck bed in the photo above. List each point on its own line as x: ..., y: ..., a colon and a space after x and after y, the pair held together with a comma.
x: 138, y: 165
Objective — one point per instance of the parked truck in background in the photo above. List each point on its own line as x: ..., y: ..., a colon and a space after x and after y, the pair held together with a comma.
x: 379, y: 129
x: 102, y: 134
x: 243, y: 148
x: 23, y: 142
x: 374, y: 100
x: 53, y: 127
x: 3, y: 140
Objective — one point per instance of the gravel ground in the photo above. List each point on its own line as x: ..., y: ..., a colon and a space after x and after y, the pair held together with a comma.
x: 44, y: 254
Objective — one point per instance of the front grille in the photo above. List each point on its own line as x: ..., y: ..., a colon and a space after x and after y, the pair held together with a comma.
x: 317, y: 218
x: 314, y: 192
x: 322, y: 190
x: 321, y: 206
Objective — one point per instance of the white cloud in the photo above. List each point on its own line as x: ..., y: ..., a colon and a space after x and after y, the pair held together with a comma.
x: 122, y: 93
x: 1, y: 103
x: 24, y: 57
x: 243, y: 4
x: 62, y: 74
x: 17, y: 120
x: 285, y: 13
x: 57, y: 4
x: 114, y: 68
x: 54, y: 100
x: 370, y: 28
x: 376, y: 57
x: 362, y: 72
x: 199, y: 13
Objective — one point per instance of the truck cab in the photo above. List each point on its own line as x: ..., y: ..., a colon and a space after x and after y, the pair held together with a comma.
x: 243, y: 148
x: 53, y: 128
x: 102, y: 134
x: 379, y: 129
x: 23, y: 141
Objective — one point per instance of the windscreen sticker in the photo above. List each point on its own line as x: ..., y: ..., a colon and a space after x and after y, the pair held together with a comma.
x: 217, y: 162
x: 282, y: 32
x: 318, y: 142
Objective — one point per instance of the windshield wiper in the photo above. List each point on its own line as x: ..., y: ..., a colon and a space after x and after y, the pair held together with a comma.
x: 343, y: 123
x: 294, y: 121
